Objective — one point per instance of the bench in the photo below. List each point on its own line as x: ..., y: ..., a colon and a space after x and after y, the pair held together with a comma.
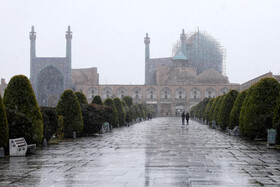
x: 19, y: 147
x: 235, y: 131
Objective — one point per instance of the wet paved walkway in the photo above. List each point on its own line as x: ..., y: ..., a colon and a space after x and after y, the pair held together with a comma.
x: 152, y: 153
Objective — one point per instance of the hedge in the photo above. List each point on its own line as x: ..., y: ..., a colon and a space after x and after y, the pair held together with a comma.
x: 235, y: 111
x: 4, y: 129
x: 19, y: 98
x: 259, y: 108
x: 225, y: 109
x: 69, y: 107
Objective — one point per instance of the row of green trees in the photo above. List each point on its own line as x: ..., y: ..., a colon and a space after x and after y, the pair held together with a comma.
x: 254, y: 110
x: 20, y: 115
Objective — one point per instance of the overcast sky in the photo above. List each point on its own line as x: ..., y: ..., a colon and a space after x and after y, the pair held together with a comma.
x: 109, y: 34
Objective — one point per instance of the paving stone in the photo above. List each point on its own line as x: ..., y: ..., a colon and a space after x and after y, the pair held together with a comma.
x: 158, y: 152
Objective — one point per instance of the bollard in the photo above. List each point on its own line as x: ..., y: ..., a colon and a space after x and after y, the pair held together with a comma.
x: 45, y: 143
x: 271, y: 138
x: 1, y: 152
x: 74, y: 135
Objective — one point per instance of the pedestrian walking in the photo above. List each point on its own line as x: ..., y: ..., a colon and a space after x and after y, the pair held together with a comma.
x: 183, y: 118
x: 127, y: 120
x: 187, y: 117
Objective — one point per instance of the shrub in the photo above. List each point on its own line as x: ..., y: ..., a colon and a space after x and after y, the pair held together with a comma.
x: 92, y: 118
x: 276, y: 119
x: 200, y: 108
x: 132, y: 112
x: 235, y: 111
x: 243, y: 108
x: 141, y: 111
x: 216, y: 109
x: 50, y: 121
x: 137, y: 111
x: 81, y: 98
x: 207, y: 110
x: 97, y: 100
x: 120, y: 110
x: 108, y: 115
x: 69, y: 107
x: 19, y: 125
x: 19, y: 97
x: 225, y: 108
x: 109, y: 102
x: 259, y: 108
x: 4, y: 129
x: 211, y: 111
x: 60, y: 131
x: 128, y: 100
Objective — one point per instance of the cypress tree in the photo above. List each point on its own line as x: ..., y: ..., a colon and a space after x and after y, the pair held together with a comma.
x: 4, y: 129
x: 69, y: 107
x: 128, y: 100
x: 97, y: 100
x: 225, y: 108
x: 235, y: 112
x: 211, y: 111
x: 259, y: 108
x: 109, y: 102
x: 81, y: 98
x: 207, y: 110
x: 216, y: 109
x: 120, y: 110
x: 276, y: 119
x: 19, y: 97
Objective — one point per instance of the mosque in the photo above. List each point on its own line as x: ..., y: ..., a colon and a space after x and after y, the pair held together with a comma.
x: 172, y: 84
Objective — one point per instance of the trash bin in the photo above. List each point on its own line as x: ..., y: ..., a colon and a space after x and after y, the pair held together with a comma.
x: 271, y: 136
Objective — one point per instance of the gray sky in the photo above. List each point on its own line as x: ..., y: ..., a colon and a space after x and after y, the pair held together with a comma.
x: 109, y: 34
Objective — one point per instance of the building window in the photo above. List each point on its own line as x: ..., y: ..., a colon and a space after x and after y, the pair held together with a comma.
x: 165, y: 94
x: 194, y: 94
x: 107, y: 94
x: 92, y: 91
x: 151, y: 94
x: 180, y: 94
x: 137, y: 96
x: 136, y: 92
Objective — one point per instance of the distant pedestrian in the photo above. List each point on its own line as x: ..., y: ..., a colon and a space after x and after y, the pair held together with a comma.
x: 187, y: 117
x: 127, y: 120
x: 183, y: 118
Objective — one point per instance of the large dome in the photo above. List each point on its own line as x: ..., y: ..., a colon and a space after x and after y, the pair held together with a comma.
x: 211, y: 76
x: 203, y: 52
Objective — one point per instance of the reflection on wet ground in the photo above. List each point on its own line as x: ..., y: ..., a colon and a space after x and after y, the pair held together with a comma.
x: 159, y: 152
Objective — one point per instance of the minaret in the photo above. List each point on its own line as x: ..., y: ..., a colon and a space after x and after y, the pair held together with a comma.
x: 147, y: 56
x: 68, y: 79
x: 183, y: 43
x: 32, y: 37
x: 147, y: 46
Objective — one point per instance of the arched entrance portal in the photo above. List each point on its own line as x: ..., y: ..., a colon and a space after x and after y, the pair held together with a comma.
x: 50, y: 86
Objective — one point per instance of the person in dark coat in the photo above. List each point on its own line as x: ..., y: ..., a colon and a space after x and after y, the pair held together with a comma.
x: 183, y: 118
x: 187, y: 117
x: 127, y: 120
